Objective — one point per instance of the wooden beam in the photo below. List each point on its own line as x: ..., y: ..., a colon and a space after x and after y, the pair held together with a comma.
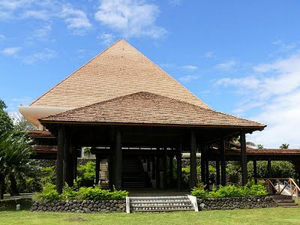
x: 255, y: 171
x: 193, y: 162
x: 60, y: 159
x: 269, y: 168
x: 207, y: 173
x: 218, y: 178
x: 165, y: 168
x: 171, y: 171
x: 118, y: 161
x: 179, y: 168
x: 97, y: 169
x: 223, y: 162
x: 244, y: 158
x: 203, y: 151
x: 157, y: 176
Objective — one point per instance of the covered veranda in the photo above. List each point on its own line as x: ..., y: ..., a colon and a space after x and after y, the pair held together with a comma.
x: 153, y: 127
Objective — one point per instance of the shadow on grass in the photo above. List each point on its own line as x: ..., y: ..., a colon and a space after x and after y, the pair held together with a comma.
x: 10, y: 205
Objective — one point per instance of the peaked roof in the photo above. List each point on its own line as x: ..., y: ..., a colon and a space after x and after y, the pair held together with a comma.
x: 148, y: 108
x: 119, y: 70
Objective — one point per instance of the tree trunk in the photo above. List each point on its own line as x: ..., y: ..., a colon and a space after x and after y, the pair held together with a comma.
x: 13, y: 186
x: 2, y: 186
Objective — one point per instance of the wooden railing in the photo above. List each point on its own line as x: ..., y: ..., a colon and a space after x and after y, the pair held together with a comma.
x: 274, y: 184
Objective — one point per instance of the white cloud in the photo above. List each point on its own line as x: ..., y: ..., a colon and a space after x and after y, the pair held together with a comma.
x: 274, y: 90
x: 175, y: 2
x: 2, y: 37
x: 76, y: 19
x: 209, y: 55
x: 189, y: 67
x: 11, y: 51
x: 37, y: 14
x: 228, y: 65
x: 45, y: 55
x: 43, y: 32
x: 107, y: 38
x: 132, y: 18
x: 14, y: 4
x: 188, y: 78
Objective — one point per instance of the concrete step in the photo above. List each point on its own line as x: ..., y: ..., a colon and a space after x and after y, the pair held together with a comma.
x: 163, y: 210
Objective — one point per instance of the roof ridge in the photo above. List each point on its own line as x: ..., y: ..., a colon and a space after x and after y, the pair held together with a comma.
x: 77, y: 70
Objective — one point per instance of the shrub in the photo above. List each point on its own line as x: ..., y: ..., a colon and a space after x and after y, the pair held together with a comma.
x: 250, y: 190
x: 86, y: 174
x: 48, y: 194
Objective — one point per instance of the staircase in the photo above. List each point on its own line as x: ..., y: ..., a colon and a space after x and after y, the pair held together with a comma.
x: 133, y: 174
x: 160, y: 204
x: 284, y: 201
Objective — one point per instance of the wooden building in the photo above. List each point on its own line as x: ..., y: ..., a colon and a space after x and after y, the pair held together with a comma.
x: 127, y: 108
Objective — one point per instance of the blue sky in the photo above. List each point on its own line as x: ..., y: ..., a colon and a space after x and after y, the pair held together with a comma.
x: 240, y: 57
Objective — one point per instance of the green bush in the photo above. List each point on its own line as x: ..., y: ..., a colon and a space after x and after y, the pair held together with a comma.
x: 250, y: 190
x: 86, y: 174
x: 49, y: 193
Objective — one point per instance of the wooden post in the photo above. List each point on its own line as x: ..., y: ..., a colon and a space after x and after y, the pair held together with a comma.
x: 72, y: 152
x: 193, y: 160
x: 218, y: 178
x: 75, y: 164
x: 97, y: 169
x: 255, y: 171
x: 207, y: 173
x: 179, y: 168
x: 223, y: 163
x: 66, y: 166
x: 203, y: 164
x: 171, y: 170
x: 60, y: 159
x: 165, y: 168
x: 118, y: 161
x: 269, y: 168
x: 153, y: 168
x: 157, y: 176
x: 244, y: 158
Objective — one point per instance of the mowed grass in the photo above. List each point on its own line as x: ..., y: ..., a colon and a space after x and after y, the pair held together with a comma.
x: 245, y: 216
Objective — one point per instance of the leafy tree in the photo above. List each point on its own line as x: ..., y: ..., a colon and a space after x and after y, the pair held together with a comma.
x: 284, y: 146
x: 259, y: 146
x: 14, y: 153
x: 250, y: 144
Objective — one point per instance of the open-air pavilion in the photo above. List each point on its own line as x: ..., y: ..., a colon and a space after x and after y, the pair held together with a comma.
x: 127, y: 109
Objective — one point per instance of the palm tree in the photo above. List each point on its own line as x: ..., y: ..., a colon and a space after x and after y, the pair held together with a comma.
x: 260, y: 146
x: 284, y: 146
x: 15, y: 159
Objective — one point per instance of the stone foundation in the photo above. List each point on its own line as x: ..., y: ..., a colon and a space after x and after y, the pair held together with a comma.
x: 83, y: 206
x: 235, y: 203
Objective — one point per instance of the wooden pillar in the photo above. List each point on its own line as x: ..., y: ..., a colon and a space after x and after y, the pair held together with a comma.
x: 269, y: 168
x: 203, y: 165
x: 60, y: 159
x: 157, y: 176
x: 153, y: 168
x: 70, y: 176
x: 75, y: 164
x: 66, y: 166
x: 223, y: 163
x: 218, y: 178
x: 111, y: 171
x: 165, y: 169
x: 179, y: 168
x: 171, y: 170
x: 118, y: 161
x: 255, y: 171
x: 193, y: 160
x: 207, y: 173
x: 97, y: 169
x: 244, y: 158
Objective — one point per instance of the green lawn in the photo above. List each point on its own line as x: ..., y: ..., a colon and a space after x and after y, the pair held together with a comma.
x: 249, y: 216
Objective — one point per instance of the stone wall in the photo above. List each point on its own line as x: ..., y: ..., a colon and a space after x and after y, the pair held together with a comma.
x: 83, y: 206
x: 236, y: 203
